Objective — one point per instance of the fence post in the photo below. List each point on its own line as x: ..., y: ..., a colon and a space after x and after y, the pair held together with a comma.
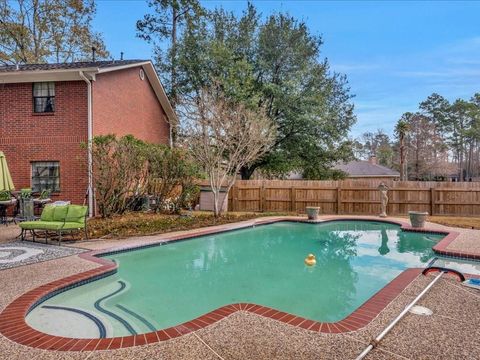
x: 230, y: 199
x: 262, y: 197
x: 432, y: 200
x: 293, y: 198
x: 235, y: 198
x: 339, y: 199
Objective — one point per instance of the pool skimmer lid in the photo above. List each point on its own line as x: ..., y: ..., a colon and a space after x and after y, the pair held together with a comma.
x: 421, y: 310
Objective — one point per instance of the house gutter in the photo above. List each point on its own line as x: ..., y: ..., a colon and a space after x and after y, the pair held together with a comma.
x: 89, y: 144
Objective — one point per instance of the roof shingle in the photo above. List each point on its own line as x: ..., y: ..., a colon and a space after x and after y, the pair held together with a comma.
x: 365, y: 168
x: 67, y: 66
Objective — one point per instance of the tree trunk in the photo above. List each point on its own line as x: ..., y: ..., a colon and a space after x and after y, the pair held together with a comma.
x: 470, y: 160
x: 216, y: 210
x: 417, y: 162
x: 225, y: 198
x: 402, y: 159
x: 460, y: 163
x: 247, y: 172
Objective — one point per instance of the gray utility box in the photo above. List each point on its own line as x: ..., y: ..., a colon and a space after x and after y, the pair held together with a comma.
x: 206, y: 198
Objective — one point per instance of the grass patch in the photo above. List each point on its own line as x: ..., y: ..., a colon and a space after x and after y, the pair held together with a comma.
x: 140, y: 224
x: 454, y: 221
x: 461, y: 222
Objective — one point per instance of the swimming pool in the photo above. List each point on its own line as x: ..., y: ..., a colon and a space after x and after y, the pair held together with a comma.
x: 163, y: 286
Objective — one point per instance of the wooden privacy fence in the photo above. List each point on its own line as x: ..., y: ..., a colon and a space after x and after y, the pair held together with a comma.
x: 356, y: 197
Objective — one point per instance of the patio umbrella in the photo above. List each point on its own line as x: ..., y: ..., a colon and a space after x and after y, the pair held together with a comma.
x: 6, y: 183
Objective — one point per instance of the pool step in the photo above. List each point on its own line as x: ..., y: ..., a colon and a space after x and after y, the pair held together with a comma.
x: 462, y: 265
x: 129, y: 319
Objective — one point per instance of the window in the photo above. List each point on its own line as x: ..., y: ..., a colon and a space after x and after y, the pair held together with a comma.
x: 45, y: 176
x: 44, y: 97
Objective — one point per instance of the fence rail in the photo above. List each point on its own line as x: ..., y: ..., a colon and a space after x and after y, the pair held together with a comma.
x: 355, y: 197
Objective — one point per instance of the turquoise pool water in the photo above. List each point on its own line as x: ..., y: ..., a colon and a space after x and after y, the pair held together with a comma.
x: 166, y: 285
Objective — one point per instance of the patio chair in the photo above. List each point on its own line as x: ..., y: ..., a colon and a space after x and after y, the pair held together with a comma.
x: 58, y: 220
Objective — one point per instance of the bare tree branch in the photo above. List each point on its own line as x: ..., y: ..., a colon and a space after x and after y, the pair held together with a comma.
x: 224, y: 137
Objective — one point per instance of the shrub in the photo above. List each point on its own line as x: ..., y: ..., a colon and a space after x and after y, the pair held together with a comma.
x: 119, y: 172
x: 127, y: 169
x: 171, y: 177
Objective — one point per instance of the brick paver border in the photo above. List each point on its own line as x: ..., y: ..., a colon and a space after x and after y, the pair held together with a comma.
x: 14, y: 327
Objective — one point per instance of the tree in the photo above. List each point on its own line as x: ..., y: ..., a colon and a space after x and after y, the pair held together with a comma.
x: 473, y: 138
x: 309, y: 105
x: 421, y: 144
x: 401, y: 130
x: 275, y: 65
x: 223, y: 137
x: 443, y: 139
x: 39, y: 31
x: 456, y: 121
x: 464, y: 124
x: 436, y: 108
x: 376, y: 144
x: 167, y: 22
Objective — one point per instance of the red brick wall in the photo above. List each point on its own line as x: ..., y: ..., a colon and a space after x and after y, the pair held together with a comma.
x: 27, y: 137
x: 124, y: 104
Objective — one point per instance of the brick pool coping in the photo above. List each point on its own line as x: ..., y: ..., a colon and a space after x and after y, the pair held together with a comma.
x: 14, y: 327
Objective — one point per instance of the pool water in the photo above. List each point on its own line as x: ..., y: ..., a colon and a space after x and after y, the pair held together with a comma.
x: 166, y: 285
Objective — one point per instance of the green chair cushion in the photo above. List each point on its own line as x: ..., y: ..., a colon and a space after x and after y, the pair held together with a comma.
x: 51, y: 225
x: 76, y: 213
x: 41, y: 225
x: 28, y: 224
x: 47, y: 213
x: 60, y: 213
x: 73, y: 225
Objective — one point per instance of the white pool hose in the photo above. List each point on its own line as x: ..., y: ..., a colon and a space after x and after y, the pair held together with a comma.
x: 398, y: 318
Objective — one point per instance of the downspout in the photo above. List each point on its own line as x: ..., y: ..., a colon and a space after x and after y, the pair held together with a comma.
x: 89, y: 144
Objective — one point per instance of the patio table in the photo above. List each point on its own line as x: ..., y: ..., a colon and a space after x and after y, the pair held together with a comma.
x: 4, y: 205
x: 39, y: 204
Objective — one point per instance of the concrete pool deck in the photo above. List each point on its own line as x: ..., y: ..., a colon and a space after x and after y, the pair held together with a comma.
x: 451, y: 332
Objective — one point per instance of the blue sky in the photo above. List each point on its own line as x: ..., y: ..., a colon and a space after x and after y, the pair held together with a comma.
x: 394, y: 53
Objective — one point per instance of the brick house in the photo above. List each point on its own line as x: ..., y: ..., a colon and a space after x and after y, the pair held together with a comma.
x: 48, y: 110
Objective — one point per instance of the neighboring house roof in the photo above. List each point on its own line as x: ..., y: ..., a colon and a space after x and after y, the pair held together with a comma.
x: 72, y: 71
x: 366, y: 169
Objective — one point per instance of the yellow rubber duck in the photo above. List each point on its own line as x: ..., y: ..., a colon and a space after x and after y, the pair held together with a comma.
x: 310, y: 260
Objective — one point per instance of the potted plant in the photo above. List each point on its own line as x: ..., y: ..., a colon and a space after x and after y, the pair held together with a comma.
x: 312, y: 212
x: 6, y: 198
x: 417, y: 218
x: 26, y: 204
x: 44, y: 197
